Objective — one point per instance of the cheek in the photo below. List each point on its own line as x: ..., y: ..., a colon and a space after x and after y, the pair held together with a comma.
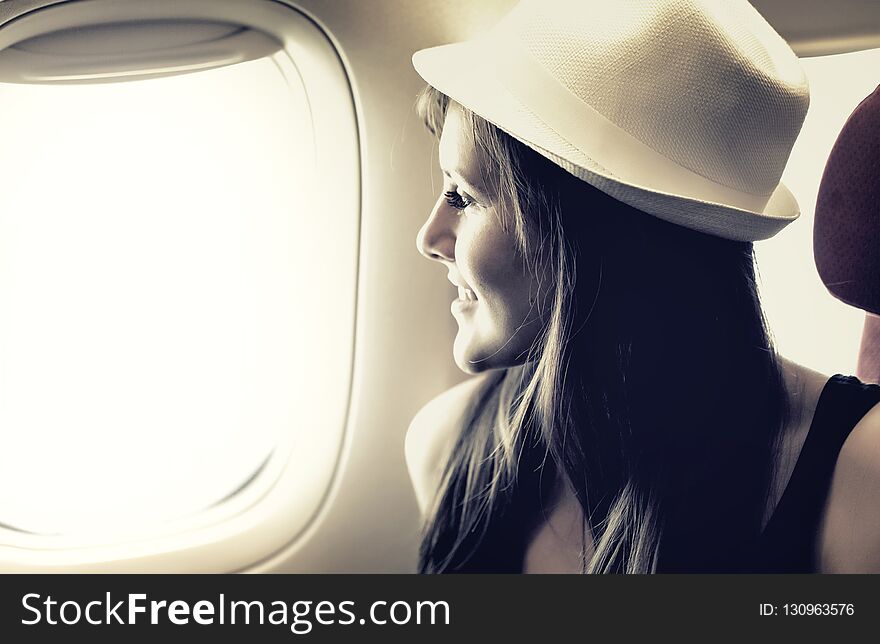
x: 498, y: 274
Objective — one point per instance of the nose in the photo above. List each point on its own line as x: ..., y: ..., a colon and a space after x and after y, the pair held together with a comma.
x: 436, y: 238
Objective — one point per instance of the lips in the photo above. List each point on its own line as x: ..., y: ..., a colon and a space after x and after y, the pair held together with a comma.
x: 464, y: 293
x: 467, y: 299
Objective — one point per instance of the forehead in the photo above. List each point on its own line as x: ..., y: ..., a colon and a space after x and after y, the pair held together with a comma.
x: 456, y: 141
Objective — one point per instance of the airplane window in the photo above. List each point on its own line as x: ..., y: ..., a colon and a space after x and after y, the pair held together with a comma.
x: 811, y: 326
x: 165, y: 289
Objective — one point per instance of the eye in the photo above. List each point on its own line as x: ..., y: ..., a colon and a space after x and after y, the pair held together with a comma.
x: 456, y: 200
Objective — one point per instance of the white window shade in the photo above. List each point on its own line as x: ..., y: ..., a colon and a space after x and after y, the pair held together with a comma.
x: 45, y: 49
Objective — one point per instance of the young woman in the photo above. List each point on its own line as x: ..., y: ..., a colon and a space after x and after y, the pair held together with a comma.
x: 606, y: 169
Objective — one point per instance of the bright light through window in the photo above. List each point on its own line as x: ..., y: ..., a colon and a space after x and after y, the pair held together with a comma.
x: 155, y: 271
x: 811, y: 327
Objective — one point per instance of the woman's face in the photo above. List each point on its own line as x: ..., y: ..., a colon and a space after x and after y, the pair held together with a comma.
x: 497, y: 321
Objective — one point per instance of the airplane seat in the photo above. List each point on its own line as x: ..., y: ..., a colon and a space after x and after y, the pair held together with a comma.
x: 846, y: 231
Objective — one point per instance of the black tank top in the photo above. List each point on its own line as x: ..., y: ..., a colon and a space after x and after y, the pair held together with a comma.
x: 788, y: 542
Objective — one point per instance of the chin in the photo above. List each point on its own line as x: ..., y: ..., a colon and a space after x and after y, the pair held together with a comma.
x: 468, y: 359
x: 476, y: 352
x: 471, y: 369
x: 474, y: 360
x: 467, y: 363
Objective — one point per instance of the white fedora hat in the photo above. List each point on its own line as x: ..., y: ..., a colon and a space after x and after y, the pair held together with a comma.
x: 684, y: 109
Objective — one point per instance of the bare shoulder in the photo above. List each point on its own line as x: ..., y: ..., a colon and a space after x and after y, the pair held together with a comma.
x: 432, y: 433
x: 850, y: 533
x: 803, y: 388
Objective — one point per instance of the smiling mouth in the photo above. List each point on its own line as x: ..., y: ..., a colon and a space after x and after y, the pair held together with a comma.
x: 465, y: 302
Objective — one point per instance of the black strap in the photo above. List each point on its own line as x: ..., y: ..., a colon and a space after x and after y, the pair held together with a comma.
x: 788, y: 543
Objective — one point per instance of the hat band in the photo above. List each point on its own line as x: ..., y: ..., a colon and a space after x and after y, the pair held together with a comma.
x: 617, y: 151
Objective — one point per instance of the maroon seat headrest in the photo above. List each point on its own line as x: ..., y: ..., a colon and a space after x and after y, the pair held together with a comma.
x: 846, y: 232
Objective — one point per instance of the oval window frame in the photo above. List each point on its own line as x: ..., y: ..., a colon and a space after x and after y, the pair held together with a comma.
x: 261, y: 518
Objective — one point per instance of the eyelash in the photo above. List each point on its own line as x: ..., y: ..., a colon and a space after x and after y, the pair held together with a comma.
x: 456, y: 200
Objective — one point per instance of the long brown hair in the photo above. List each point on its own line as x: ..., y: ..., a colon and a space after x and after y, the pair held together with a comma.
x: 654, y: 388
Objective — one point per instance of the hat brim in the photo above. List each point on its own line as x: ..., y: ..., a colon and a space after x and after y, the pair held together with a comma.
x: 459, y: 70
